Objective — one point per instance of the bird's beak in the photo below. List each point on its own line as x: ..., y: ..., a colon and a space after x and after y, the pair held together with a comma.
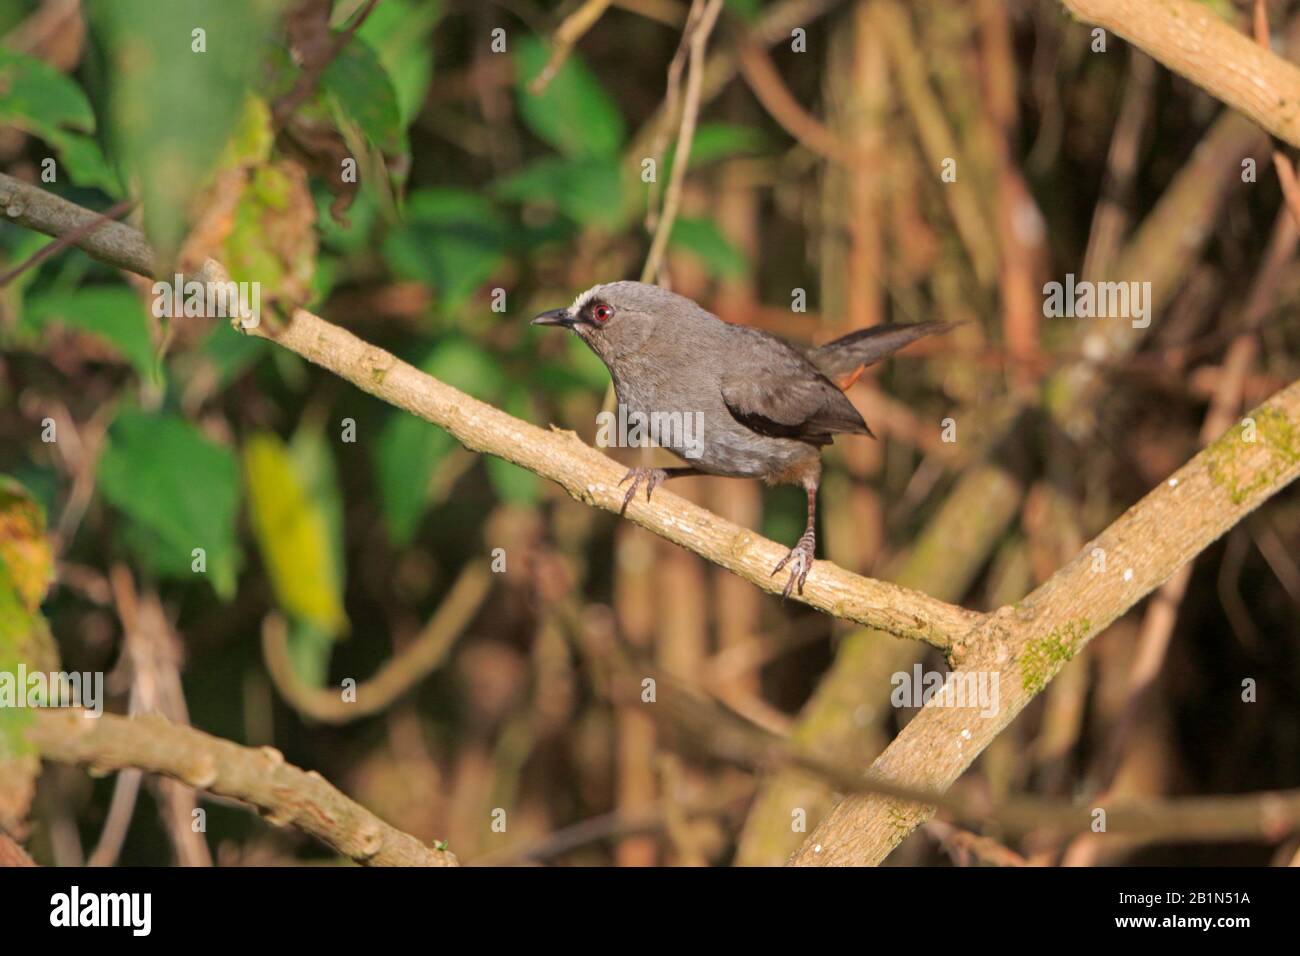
x: 555, y: 317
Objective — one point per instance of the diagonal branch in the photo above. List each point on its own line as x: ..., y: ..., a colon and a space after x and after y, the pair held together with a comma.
x: 1027, y: 646
x: 1192, y: 39
x: 561, y: 456
x: 283, y: 793
x: 567, y: 34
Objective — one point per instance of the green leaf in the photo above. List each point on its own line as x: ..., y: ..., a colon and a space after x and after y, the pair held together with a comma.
x: 589, y: 191
x: 111, y: 314
x: 38, y: 98
x: 574, y: 113
x: 701, y: 238
x: 24, y: 548
x: 85, y: 161
x: 465, y: 365
x: 179, y: 490
x: 171, y: 107
x: 293, y: 535
x: 23, y: 246
x: 17, y: 771
x: 42, y: 101
x: 26, y: 569
x: 399, y: 32
x: 357, y: 235
x: 253, y: 136
x: 310, y: 649
x: 512, y: 483
x: 232, y: 353
x: 453, y: 239
x: 310, y: 646
x: 410, y: 448
x: 315, y: 466
x: 715, y: 141
x: 748, y: 10
x: 361, y: 87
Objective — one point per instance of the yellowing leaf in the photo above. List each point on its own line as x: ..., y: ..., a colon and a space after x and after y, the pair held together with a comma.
x: 24, y: 549
x: 292, y: 535
x: 26, y: 567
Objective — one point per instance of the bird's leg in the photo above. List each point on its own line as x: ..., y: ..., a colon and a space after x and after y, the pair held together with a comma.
x: 847, y: 381
x: 801, y: 556
x: 652, y: 477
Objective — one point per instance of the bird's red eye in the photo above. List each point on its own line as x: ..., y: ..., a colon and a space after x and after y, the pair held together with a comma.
x: 601, y: 312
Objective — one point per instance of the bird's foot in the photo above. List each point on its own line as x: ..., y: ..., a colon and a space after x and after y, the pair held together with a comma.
x: 847, y: 381
x: 800, y: 559
x: 651, y: 476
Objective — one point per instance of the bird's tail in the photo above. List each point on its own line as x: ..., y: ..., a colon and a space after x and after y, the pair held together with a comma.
x: 850, y: 353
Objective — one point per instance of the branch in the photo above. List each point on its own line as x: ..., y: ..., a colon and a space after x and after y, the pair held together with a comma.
x: 113, y: 242
x: 398, y: 675
x: 841, y: 720
x: 567, y: 34
x: 1191, y: 39
x: 43, y: 253
x: 283, y: 793
x: 11, y: 854
x: 586, y: 474
x: 1028, y: 645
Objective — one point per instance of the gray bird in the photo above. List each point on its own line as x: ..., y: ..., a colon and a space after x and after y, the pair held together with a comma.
x: 765, y: 406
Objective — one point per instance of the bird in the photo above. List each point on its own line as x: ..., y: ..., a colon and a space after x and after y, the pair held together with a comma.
x: 766, y: 406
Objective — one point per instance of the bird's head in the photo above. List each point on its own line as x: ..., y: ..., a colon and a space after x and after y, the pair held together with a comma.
x: 618, y: 318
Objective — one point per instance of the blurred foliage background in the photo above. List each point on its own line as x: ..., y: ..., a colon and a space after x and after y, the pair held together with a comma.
x: 335, y: 530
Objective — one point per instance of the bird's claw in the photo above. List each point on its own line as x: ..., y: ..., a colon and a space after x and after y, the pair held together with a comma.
x: 800, y: 559
x: 651, y: 476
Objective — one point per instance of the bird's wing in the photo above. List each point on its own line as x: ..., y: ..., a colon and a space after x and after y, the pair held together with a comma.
x: 791, y: 399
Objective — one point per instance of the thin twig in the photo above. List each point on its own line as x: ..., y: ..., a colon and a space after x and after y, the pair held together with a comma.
x: 312, y: 72
x: 673, y: 94
x: 567, y: 34
x: 68, y: 239
x: 772, y: 26
x: 699, y: 39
